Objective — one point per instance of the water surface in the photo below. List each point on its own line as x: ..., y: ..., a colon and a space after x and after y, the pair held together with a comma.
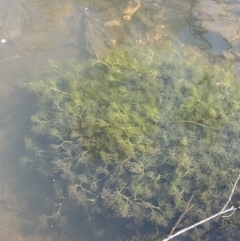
x: 38, y: 31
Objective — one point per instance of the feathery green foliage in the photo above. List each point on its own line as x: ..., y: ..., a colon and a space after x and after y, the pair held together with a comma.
x: 109, y: 103
x: 139, y: 133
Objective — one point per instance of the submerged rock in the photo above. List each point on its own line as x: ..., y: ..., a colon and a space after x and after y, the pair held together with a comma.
x: 107, y: 25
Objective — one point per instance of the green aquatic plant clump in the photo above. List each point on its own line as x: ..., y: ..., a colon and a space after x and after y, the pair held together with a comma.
x: 112, y: 103
x: 136, y: 134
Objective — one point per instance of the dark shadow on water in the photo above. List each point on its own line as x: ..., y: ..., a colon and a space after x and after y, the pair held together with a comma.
x: 17, y: 184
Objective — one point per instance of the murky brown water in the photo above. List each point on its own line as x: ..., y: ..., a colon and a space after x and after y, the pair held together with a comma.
x: 39, y: 30
x: 35, y: 31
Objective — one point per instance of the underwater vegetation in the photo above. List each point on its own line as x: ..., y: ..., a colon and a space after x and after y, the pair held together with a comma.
x: 135, y: 134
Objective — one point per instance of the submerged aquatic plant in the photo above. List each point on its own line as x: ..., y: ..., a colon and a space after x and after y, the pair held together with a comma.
x: 110, y: 105
x: 138, y: 133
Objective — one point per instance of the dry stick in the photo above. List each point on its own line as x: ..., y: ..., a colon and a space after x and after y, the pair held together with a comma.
x: 201, y: 222
x: 232, y: 209
x: 182, y: 215
x: 230, y: 197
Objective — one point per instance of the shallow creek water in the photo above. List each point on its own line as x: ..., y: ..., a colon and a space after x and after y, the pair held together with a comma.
x: 39, y: 30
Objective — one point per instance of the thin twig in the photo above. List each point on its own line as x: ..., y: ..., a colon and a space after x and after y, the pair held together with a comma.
x: 182, y: 215
x: 230, y: 197
x: 201, y: 222
x: 192, y: 122
x: 223, y: 211
x: 6, y: 118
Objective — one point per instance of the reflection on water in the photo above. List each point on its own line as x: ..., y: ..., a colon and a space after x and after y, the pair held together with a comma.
x: 36, y: 31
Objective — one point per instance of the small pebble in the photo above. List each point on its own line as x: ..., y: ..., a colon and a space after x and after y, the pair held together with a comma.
x: 3, y: 41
